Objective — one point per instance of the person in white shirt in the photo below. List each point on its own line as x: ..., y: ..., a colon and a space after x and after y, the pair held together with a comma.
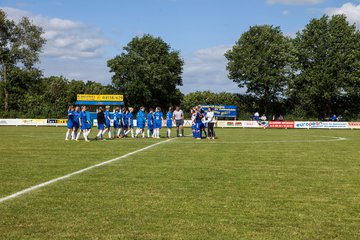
x: 210, y: 123
x: 263, y: 117
x: 179, y: 121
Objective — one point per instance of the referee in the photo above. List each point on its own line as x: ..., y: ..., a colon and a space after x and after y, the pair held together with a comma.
x: 179, y: 121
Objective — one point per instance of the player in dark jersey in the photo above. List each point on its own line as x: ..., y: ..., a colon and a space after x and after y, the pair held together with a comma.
x: 100, y: 123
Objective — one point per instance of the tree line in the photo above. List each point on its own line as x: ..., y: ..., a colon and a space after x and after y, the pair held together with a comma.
x: 309, y: 76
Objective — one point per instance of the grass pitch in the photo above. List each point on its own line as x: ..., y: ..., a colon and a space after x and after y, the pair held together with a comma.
x: 248, y: 184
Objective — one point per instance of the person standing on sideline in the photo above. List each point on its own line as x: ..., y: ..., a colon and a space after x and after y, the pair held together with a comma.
x: 150, y: 122
x: 179, y: 121
x: 70, y: 122
x: 210, y: 124
x: 158, y: 118
x: 107, y: 121
x: 140, y: 122
x: 100, y: 123
x: 169, y: 122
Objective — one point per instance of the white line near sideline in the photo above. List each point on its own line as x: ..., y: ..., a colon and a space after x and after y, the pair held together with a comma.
x: 41, y: 185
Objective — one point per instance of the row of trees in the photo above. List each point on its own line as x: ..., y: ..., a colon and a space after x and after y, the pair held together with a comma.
x: 315, y: 74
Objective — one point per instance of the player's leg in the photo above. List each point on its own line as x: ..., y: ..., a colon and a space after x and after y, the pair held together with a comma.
x: 182, y: 128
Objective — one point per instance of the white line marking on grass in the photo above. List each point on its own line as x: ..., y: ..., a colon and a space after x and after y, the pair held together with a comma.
x: 41, y: 185
x: 332, y: 139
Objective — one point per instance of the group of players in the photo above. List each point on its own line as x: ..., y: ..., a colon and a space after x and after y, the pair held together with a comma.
x: 202, y: 120
x: 123, y: 122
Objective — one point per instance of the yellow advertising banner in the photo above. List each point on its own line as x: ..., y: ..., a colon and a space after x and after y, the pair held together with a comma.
x: 99, y: 98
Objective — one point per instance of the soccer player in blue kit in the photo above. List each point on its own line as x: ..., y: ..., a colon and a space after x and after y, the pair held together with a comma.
x: 130, y: 118
x: 158, y: 117
x: 125, y: 122
x: 107, y: 121
x: 140, y: 122
x: 89, y: 122
x: 83, y: 124
x: 116, y: 118
x: 70, y: 123
x: 198, y: 122
x: 150, y: 122
x: 76, y: 123
x: 169, y: 122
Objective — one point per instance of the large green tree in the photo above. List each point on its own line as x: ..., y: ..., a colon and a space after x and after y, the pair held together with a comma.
x: 260, y: 61
x: 20, y: 45
x: 148, y: 72
x: 328, y: 67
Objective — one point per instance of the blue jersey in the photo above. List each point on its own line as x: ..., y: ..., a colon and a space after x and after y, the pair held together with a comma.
x: 150, y: 120
x: 169, y: 116
x: 117, y: 116
x: 198, y: 117
x: 88, y: 117
x: 70, y: 116
x: 76, y: 116
x: 83, y: 119
x: 107, y: 116
x: 158, y: 119
x: 158, y: 116
x: 130, y: 119
x: 125, y: 118
x: 141, y: 118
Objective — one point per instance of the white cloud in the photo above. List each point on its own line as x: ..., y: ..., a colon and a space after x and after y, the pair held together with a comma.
x: 285, y: 13
x: 294, y: 2
x: 352, y: 11
x: 65, y: 38
x: 206, y: 70
x: 78, y: 69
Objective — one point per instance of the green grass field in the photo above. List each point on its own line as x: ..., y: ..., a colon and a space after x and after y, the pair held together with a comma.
x: 247, y: 184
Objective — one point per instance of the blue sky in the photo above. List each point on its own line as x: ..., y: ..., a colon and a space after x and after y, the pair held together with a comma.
x: 83, y: 35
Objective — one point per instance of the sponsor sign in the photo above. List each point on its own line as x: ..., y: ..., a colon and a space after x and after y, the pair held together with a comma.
x: 56, y: 122
x: 338, y: 125
x: 33, y: 122
x: 354, y: 125
x: 250, y: 124
x: 281, y: 124
x: 100, y: 98
x: 222, y: 110
x: 243, y: 124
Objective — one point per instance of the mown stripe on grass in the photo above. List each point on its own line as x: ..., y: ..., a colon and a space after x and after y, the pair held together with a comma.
x: 41, y: 185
